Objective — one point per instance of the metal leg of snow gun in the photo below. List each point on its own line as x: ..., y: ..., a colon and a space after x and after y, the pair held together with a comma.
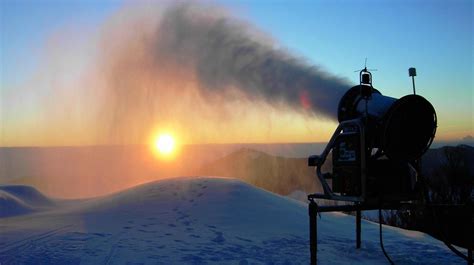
x: 314, y: 209
x: 313, y: 230
x: 470, y: 260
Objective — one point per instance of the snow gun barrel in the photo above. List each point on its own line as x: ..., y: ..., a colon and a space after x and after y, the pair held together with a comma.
x: 403, y: 128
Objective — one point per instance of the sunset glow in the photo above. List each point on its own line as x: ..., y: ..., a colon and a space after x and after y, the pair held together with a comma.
x: 165, y: 144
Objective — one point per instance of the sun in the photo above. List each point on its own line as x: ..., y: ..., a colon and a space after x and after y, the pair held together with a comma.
x: 165, y: 144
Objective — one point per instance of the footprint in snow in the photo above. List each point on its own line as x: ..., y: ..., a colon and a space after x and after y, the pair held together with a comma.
x: 219, y: 238
x: 243, y: 239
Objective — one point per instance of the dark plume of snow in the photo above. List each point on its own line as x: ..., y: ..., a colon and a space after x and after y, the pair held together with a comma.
x: 226, y: 52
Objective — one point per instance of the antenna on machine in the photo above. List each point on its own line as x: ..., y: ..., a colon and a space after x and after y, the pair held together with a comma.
x: 412, y: 73
x: 365, y: 78
x: 365, y: 84
x: 365, y: 67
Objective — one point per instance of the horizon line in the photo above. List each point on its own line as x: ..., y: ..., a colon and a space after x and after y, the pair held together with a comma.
x: 459, y: 142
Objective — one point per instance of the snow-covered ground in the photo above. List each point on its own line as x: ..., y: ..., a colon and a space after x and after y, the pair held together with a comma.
x: 192, y: 220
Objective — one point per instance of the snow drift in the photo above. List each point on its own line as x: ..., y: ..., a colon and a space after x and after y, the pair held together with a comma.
x: 17, y: 200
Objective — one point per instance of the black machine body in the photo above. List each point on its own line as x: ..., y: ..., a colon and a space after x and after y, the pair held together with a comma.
x: 376, y: 149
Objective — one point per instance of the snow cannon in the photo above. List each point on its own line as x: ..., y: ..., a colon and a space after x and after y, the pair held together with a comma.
x: 375, y: 156
x: 403, y: 128
x: 377, y: 147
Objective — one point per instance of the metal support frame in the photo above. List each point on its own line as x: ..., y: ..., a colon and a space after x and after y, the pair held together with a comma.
x: 328, y: 193
x: 314, y: 209
x: 313, y: 231
x: 358, y: 227
x: 470, y: 260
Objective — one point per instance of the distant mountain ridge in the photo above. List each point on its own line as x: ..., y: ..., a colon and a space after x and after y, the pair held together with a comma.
x: 284, y: 175
x: 277, y: 174
x: 435, y: 157
x: 72, y: 172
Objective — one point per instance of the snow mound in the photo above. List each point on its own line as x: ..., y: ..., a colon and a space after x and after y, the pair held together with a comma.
x: 213, y: 201
x: 201, y: 220
x: 11, y: 205
x: 18, y: 200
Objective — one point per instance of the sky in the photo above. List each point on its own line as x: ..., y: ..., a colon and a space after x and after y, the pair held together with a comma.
x: 50, y: 61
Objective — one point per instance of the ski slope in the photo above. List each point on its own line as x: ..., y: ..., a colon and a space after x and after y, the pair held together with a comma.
x: 192, y: 220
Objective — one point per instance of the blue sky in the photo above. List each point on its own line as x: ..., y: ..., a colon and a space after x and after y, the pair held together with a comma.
x: 436, y: 37
x: 26, y: 26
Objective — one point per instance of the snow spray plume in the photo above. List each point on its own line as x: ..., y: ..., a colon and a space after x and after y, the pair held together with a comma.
x: 226, y: 52
x: 190, y: 68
